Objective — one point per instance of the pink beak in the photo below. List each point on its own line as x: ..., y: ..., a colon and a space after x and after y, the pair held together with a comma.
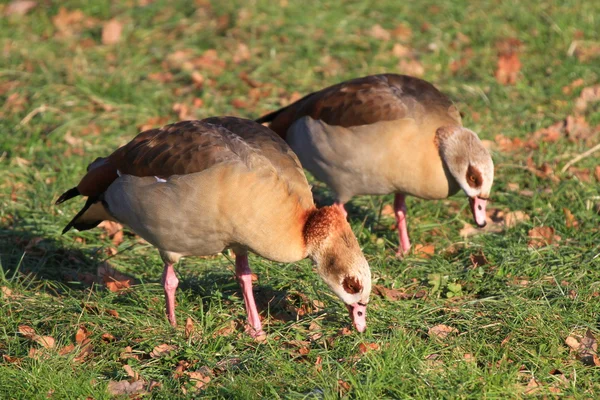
x: 358, y: 313
x: 478, y: 209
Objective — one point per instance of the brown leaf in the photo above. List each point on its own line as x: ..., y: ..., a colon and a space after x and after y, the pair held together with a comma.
x: 107, y: 337
x: 19, y: 7
x: 411, y: 67
x: 111, y: 32
x: 6, y: 292
x: 366, y: 347
x: 319, y: 364
x: 343, y: 387
x: 402, y: 32
x: 532, y: 387
x: 66, y: 350
x: 424, y: 251
x: 86, y: 349
x: 401, y: 51
x: 153, y: 122
x: 128, y: 353
x: 573, y: 85
x: 114, y: 313
x: 379, y: 33
x: 572, y: 342
x: 395, y: 295
x: 183, y: 111
x: 189, y: 328
x: 478, y: 260
x: 588, y: 350
x: 162, y: 350
x: 468, y: 357
x: 199, y: 378
x: 584, y: 50
x: 240, y: 104
x: 541, y: 236
x: 570, y: 220
x: 588, y: 95
x: 114, y: 280
x: 131, y: 373
x: 11, y: 360
x: 441, y: 331
x: 81, y: 335
x: 45, y: 341
x: 162, y: 77
x: 388, y: 211
x: 242, y: 53
x: 117, y: 388
x: 114, y: 230
x: 344, y: 331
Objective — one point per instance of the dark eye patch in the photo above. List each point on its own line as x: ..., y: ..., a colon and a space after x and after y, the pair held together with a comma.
x: 351, y: 285
x: 474, y: 178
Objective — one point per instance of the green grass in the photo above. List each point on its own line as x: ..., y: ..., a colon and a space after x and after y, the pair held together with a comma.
x: 52, y: 87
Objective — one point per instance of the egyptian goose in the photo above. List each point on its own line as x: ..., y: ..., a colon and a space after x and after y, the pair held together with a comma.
x: 385, y: 134
x: 195, y: 188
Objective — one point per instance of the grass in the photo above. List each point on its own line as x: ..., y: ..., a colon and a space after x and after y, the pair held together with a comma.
x: 68, y: 99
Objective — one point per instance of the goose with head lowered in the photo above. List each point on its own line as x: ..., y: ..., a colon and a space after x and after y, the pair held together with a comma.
x: 196, y: 188
x: 384, y: 134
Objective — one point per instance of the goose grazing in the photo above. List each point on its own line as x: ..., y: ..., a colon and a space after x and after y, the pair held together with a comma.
x: 385, y: 134
x: 195, y: 188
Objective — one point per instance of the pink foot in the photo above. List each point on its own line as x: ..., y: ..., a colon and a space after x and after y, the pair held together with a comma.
x: 341, y: 207
x: 400, y: 212
x: 170, y: 283
x: 244, y: 276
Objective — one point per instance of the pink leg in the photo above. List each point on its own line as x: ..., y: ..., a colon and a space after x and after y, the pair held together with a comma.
x: 170, y: 282
x: 244, y: 276
x: 400, y: 211
x: 341, y: 207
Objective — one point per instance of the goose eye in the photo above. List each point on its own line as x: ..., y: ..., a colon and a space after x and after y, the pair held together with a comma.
x: 471, y: 178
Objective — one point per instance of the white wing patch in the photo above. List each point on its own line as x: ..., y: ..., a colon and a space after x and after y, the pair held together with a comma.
x: 160, y: 179
x: 118, y: 172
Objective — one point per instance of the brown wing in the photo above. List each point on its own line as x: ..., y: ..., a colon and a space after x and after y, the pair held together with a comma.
x: 366, y: 101
x: 192, y: 146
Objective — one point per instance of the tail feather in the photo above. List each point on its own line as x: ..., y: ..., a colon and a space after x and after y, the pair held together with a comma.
x: 69, y: 194
x: 81, y: 226
x: 269, y: 117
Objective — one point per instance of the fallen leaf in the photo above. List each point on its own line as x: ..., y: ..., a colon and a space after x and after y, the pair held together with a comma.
x: 508, y: 69
x: 66, y: 350
x: 114, y: 313
x: 242, y: 53
x: 597, y: 172
x: 468, y: 357
x: 343, y: 387
x: 86, y: 349
x: 319, y: 364
x: 114, y: 230
x: 189, y: 328
x: 478, y: 260
x: 6, y: 292
x: 411, y: 67
x: 162, y: 350
x: 441, y: 331
x: 366, y: 347
x: 19, y: 7
x: 128, y: 353
x: 117, y: 388
x: 45, y: 341
x: 402, y: 32
x: 182, y: 111
x: 395, y: 295
x: 388, y: 211
x: 198, y: 378
x: 111, y: 32
x: 81, y: 334
x: 584, y: 50
x: 114, y: 280
x: 542, y: 236
x: 11, y: 360
x: 162, y: 77
x: 532, y: 387
x: 588, y: 350
x: 573, y: 85
x: 153, y: 122
x: 513, y: 218
x: 424, y: 251
x: 107, y: 337
x: 588, y: 95
x: 378, y: 32
x: 570, y: 220
x: 401, y: 51
x: 131, y: 373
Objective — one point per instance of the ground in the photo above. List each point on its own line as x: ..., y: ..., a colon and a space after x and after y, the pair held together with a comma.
x: 499, y: 314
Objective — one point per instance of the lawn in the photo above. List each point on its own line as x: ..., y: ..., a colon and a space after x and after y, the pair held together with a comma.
x: 498, y: 314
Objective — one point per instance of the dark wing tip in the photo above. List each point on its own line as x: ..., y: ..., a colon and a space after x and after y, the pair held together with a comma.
x: 69, y: 194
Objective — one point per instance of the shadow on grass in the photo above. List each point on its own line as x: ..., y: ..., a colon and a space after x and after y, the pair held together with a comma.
x: 27, y: 255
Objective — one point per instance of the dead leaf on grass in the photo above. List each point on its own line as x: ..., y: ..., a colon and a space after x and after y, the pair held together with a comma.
x: 118, y: 388
x: 199, y: 379
x: 131, y: 373
x: 441, y: 331
x: 19, y: 7
x: 402, y: 32
x: 533, y: 386
x: 570, y: 220
x: 111, y: 32
x: 411, y: 67
x: 542, y: 236
x: 162, y: 350
x: 114, y: 280
x: 29, y: 333
x: 366, y: 347
x: 509, y: 65
x: 189, y: 327
x: 395, y: 294
x: 81, y: 334
x: 343, y: 387
x: 424, y: 250
x: 379, y: 33
x: 478, y: 260
x: 114, y: 230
